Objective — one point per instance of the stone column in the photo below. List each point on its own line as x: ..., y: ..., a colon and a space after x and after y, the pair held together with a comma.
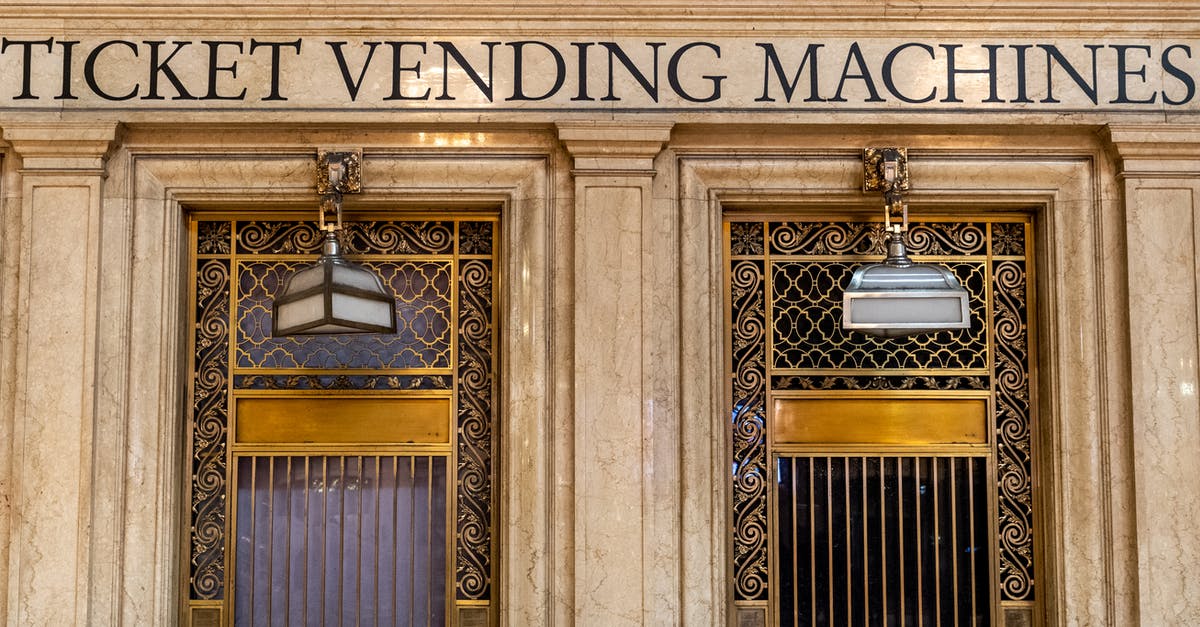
x: 626, y: 431
x: 53, y: 404
x: 1160, y: 169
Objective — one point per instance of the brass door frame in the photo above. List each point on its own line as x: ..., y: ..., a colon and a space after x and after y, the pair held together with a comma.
x: 456, y: 608
x: 774, y: 449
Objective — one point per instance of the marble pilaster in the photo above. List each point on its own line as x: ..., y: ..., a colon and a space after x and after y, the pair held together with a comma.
x: 53, y: 429
x: 626, y: 373
x: 1160, y: 168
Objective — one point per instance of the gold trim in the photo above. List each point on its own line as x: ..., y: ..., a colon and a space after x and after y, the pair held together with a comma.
x: 849, y: 258
x: 355, y: 392
x: 231, y: 473
x: 360, y: 212
x: 887, y: 450
x: 316, y: 420
x: 900, y: 420
x: 197, y: 607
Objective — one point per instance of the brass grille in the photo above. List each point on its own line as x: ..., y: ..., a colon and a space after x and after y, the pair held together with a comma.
x: 883, y: 540
x: 341, y: 540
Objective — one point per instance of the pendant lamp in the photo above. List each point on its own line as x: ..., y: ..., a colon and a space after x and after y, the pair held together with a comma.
x: 334, y: 296
x: 897, y: 297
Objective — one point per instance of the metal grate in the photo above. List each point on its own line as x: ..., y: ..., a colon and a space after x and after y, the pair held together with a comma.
x: 883, y: 540
x: 341, y: 540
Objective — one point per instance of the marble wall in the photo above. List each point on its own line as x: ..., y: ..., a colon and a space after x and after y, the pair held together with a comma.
x: 613, y: 498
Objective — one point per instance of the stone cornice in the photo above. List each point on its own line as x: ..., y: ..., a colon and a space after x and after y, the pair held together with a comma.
x: 1156, y: 151
x: 884, y: 18
x: 622, y: 148
x: 61, y: 146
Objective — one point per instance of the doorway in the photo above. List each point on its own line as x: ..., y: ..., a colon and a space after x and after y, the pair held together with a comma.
x: 345, y: 478
x: 879, y: 481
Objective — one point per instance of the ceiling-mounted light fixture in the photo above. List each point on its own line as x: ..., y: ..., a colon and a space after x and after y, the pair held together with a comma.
x: 898, y: 297
x: 334, y: 296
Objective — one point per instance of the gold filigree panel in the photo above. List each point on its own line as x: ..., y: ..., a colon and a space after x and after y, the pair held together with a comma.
x: 423, y: 321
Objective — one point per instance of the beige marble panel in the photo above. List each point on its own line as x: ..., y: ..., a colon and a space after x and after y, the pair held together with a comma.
x: 662, y: 415
x: 50, y: 559
x: 609, y: 436
x: 1164, y: 282
x: 10, y: 222
x: 53, y: 346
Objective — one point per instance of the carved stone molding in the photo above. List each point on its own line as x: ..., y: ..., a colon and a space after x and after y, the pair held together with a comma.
x: 61, y: 146
x: 614, y: 148
x: 1156, y: 151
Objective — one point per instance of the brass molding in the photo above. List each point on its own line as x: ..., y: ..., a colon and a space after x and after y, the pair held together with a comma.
x: 874, y: 176
x: 351, y: 164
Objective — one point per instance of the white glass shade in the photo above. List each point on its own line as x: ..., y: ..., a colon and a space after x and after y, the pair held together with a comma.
x: 892, y: 301
x: 333, y: 297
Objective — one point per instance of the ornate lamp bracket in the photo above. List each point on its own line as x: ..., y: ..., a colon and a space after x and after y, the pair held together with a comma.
x: 337, y: 173
x: 886, y: 170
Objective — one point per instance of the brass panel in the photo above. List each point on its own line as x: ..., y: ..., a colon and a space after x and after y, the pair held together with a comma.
x: 204, y: 615
x: 342, y: 420
x: 473, y: 617
x: 1018, y: 616
x: 908, y: 421
x: 751, y: 617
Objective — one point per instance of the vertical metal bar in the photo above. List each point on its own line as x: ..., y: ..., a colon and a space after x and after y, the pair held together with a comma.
x: 270, y: 537
x: 324, y: 532
x: 253, y: 533
x: 900, y: 535
x: 307, y: 522
x: 883, y: 543
x: 795, y: 561
x: 829, y: 535
x: 429, y: 535
x: 937, y: 544
x: 865, y: 546
x: 849, y: 551
x: 974, y: 548
x: 412, y: 541
x: 954, y: 532
x: 378, y: 518
x: 395, y: 536
x: 341, y: 592
x: 920, y: 565
x: 362, y: 486
x: 812, y: 542
x: 287, y: 554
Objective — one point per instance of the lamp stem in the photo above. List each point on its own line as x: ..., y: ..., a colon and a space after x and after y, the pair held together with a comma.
x: 897, y: 255
x: 332, y: 248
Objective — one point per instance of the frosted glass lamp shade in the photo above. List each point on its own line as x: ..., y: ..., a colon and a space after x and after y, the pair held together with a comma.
x: 892, y: 301
x: 333, y: 297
